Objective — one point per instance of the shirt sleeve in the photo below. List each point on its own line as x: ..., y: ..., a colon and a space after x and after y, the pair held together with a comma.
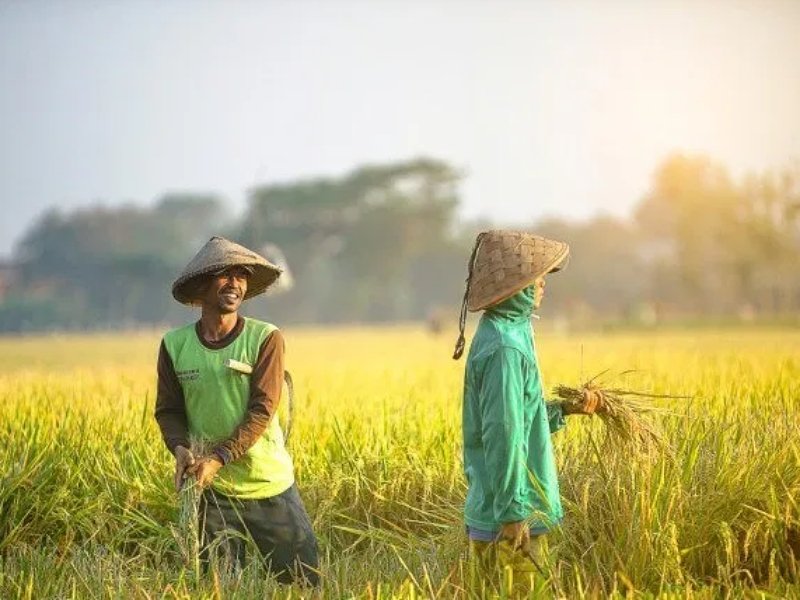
x: 170, y: 409
x: 501, y: 402
x: 266, y: 384
x: 555, y: 416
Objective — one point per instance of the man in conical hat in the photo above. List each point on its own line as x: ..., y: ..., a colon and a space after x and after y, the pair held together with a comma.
x: 513, y: 497
x: 219, y: 385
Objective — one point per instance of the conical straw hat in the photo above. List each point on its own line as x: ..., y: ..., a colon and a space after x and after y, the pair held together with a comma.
x: 509, y: 261
x: 503, y: 263
x: 220, y: 253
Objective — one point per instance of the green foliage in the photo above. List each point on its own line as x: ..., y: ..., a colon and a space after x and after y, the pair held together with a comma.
x: 725, y: 244
x: 20, y: 314
x: 357, y: 242
x: 109, y: 266
x: 382, y: 243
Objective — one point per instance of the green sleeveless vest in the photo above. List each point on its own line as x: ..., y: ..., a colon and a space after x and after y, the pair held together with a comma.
x: 216, y: 399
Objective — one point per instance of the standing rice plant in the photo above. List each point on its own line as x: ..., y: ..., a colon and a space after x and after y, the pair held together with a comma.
x: 87, y: 507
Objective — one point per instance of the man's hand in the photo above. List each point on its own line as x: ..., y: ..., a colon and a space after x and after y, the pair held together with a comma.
x: 184, y: 460
x: 517, y: 533
x: 205, y: 469
x: 591, y: 403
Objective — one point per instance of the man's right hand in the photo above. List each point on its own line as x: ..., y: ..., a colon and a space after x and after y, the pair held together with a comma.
x: 517, y: 533
x: 183, y: 460
x: 591, y: 403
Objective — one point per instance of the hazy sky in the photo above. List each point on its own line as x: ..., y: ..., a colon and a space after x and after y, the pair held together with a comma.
x: 551, y: 107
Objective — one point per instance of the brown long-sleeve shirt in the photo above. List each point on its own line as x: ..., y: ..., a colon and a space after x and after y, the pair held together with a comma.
x: 266, y: 383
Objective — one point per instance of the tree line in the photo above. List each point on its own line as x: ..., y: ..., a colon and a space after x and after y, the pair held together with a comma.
x: 384, y: 243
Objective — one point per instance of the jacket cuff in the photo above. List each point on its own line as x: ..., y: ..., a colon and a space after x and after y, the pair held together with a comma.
x: 172, y: 444
x: 556, y: 416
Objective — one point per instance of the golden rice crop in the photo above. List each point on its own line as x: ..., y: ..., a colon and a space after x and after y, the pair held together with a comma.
x: 88, y: 509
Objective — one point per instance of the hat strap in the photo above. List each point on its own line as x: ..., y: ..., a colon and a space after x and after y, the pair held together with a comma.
x: 462, y: 319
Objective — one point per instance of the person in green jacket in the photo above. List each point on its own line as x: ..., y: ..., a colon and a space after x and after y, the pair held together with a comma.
x: 513, y: 496
x: 219, y: 386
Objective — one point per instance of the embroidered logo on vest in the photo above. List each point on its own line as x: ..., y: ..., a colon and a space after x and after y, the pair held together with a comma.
x: 188, y: 374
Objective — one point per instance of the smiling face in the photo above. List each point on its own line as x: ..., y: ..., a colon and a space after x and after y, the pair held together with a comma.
x: 225, y: 291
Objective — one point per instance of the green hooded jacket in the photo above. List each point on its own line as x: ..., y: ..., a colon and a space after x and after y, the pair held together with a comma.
x: 508, y: 455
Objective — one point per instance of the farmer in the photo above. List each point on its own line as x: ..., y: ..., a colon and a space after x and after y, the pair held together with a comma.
x: 512, y: 498
x: 229, y: 409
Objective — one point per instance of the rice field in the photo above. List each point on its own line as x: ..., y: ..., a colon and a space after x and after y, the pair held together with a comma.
x: 87, y: 508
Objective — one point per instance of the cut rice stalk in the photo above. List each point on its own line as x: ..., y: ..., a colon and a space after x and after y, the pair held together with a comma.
x: 188, y: 534
x: 188, y: 530
x: 622, y: 412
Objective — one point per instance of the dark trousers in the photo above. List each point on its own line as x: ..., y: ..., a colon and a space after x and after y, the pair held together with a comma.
x: 278, y: 525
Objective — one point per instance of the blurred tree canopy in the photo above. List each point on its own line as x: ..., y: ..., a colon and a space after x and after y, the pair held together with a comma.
x: 100, y: 267
x: 383, y: 243
x: 722, y: 246
x: 357, y: 244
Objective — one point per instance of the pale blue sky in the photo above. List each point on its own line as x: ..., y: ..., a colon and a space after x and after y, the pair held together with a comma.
x: 551, y: 107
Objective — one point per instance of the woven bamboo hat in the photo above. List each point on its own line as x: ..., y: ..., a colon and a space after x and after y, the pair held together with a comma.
x: 509, y: 261
x: 503, y: 263
x: 218, y: 254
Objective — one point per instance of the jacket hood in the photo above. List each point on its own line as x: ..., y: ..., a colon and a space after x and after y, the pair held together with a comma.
x: 514, y: 308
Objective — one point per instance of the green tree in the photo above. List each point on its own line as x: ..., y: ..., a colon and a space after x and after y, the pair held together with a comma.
x: 689, y: 220
x: 728, y: 245
x: 356, y: 243
x: 114, y: 263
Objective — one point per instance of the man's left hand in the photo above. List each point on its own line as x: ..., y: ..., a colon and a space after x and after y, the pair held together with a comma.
x: 205, y: 469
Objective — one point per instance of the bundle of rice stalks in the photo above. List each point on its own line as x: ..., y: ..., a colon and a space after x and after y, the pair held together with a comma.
x: 188, y: 530
x: 622, y: 411
x: 187, y: 533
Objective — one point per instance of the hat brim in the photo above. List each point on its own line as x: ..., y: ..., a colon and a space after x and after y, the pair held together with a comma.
x: 558, y: 263
x: 185, y: 290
